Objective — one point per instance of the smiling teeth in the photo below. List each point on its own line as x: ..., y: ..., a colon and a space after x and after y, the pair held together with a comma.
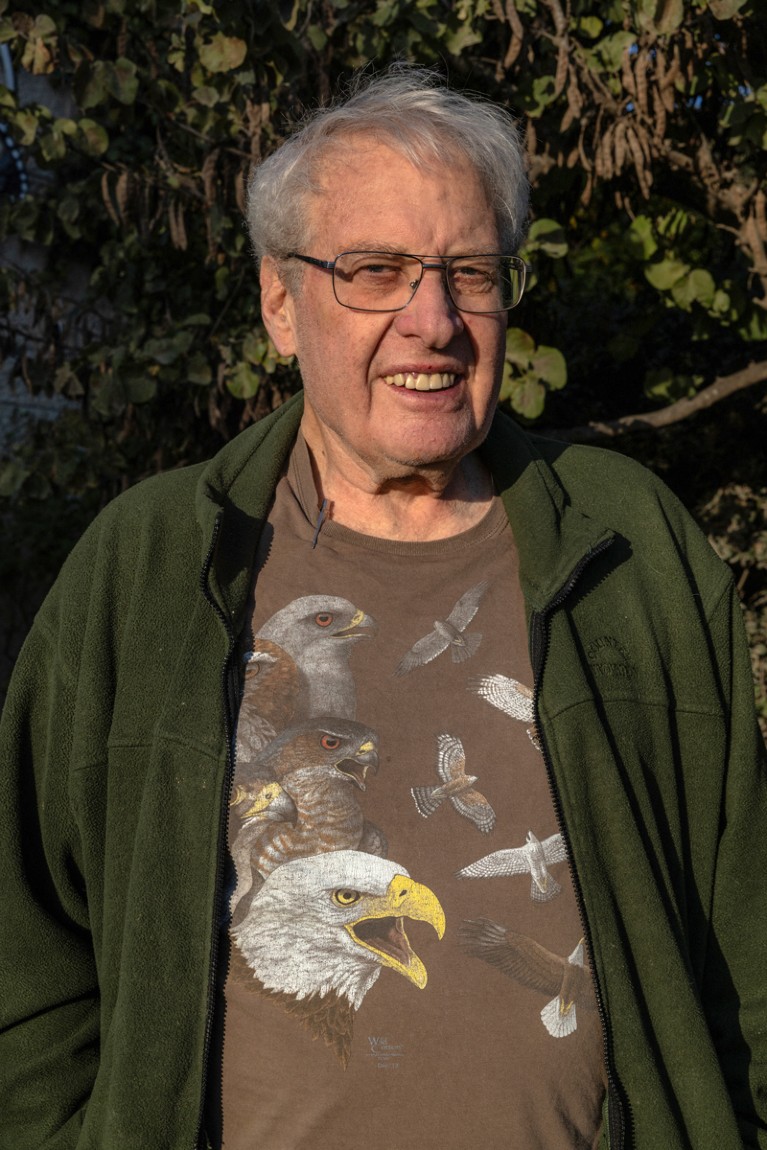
x: 421, y: 381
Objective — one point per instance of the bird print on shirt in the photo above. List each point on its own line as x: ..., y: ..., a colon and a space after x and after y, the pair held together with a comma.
x: 299, y: 797
x: 511, y: 697
x: 319, y: 632
x: 534, y: 858
x: 448, y: 634
x: 320, y: 931
x: 456, y: 786
x: 270, y: 691
x: 532, y: 965
x: 255, y: 807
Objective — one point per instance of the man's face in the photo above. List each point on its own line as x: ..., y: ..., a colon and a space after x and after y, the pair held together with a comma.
x: 374, y: 199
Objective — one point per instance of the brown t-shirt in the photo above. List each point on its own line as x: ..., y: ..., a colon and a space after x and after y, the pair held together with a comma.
x: 408, y: 970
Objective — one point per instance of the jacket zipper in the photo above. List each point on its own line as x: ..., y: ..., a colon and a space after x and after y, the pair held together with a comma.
x: 229, y: 690
x: 618, y: 1115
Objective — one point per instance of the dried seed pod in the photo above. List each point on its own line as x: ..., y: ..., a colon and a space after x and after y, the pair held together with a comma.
x: 620, y: 146
x: 106, y: 196
x: 640, y: 75
x: 562, y: 66
x: 208, y: 173
x: 122, y: 195
x: 177, y: 225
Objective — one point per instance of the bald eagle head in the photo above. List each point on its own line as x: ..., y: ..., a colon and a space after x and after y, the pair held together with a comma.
x: 332, y: 921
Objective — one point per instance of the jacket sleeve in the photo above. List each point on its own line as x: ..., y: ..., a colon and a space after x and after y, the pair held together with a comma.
x: 735, y: 980
x: 49, y: 1007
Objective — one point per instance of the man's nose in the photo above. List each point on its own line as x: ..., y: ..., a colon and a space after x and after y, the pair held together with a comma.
x: 431, y: 313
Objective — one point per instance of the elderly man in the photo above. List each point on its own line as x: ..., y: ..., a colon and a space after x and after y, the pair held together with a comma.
x: 392, y: 780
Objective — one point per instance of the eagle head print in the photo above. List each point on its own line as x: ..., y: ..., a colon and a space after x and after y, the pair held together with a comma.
x: 321, y: 929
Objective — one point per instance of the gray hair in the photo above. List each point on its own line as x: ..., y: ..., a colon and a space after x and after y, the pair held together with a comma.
x: 411, y: 110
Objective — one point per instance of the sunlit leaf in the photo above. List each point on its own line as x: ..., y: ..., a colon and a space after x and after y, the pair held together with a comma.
x: 664, y: 274
x: 519, y: 346
x: 243, y: 382
x: 549, y: 364
x: 93, y: 137
x: 222, y: 53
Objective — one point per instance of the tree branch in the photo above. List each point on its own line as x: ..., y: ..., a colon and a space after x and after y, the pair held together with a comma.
x: 720, y: 389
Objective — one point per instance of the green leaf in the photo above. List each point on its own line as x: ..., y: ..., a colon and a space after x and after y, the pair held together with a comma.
x: 698, y: 287
x: 590, y: 26
x: 254, y: 348
x: 725, y: 9
x: 243, y: 382
x: 662, y: 16
x: 665, y: 274
x: 12, y: 478
x: 198, y: 370
x: 662, y: 383
x: 317, y: 37
x: 223, y: 53
x: 140, y: 388
x: 44, y: 27
x: 669, y: 14
x: 206, y: 96
x: 519, y: 347
x: 93, y: 137
x: 549, y: 364
x: 167, y: 350
x: 642, y: 243
x: 122, y: 80
x: 547, y: 236
x: 27, y: 121
x: 610, y: 50
x: 528, y: 397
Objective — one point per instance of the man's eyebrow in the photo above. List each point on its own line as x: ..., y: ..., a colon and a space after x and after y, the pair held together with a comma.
x: 375, y: 246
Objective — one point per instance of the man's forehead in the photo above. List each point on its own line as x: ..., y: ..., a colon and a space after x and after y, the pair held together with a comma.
x: 362, y: 184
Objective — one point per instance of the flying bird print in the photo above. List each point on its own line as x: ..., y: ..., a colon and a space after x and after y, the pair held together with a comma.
x: 534, y: 858
x: 320, y: 931
x: 511, y: 697
x: 456, y: 786
x: 318, y: 633
x: 527, y: 962
x: 448, y: 634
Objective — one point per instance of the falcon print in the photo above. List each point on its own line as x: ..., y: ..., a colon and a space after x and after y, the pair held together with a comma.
x: 530, y: 964
x: 258, y: 805
x: 448, y: 634
x: 456, y: 786
x: 304, y: 793
x: 511, y: 697
x: 269, y: 697
x: 534, y: 858
x: 320, y: 931
x: 318, y: 632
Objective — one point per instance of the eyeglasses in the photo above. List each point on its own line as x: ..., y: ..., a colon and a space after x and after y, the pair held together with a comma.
x: 387, y: 281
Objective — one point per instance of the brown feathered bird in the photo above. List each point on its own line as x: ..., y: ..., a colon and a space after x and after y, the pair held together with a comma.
x: 530, y: 964
x: 456, y: 786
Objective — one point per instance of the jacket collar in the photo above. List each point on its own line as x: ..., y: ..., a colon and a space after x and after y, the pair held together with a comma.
x: 233, y: 501
x: 552, y: 536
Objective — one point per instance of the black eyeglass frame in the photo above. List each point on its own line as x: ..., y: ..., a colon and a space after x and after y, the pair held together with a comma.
x: 442, y: 265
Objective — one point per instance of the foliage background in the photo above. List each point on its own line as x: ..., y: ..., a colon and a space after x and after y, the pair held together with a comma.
x: 128, y: 289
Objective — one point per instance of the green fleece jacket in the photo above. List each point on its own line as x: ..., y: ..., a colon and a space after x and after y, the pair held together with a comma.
x: 115, y: 767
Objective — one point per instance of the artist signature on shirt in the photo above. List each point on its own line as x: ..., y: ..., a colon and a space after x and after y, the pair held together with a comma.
x: 386, y: 1054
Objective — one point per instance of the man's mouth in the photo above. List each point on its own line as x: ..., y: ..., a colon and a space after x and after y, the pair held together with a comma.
x: 422, y: 381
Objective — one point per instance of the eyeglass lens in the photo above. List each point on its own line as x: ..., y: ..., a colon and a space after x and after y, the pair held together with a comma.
x: 385, y: 281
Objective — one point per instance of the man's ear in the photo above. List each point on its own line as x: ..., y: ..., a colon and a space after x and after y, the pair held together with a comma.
x: 277, y: 308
